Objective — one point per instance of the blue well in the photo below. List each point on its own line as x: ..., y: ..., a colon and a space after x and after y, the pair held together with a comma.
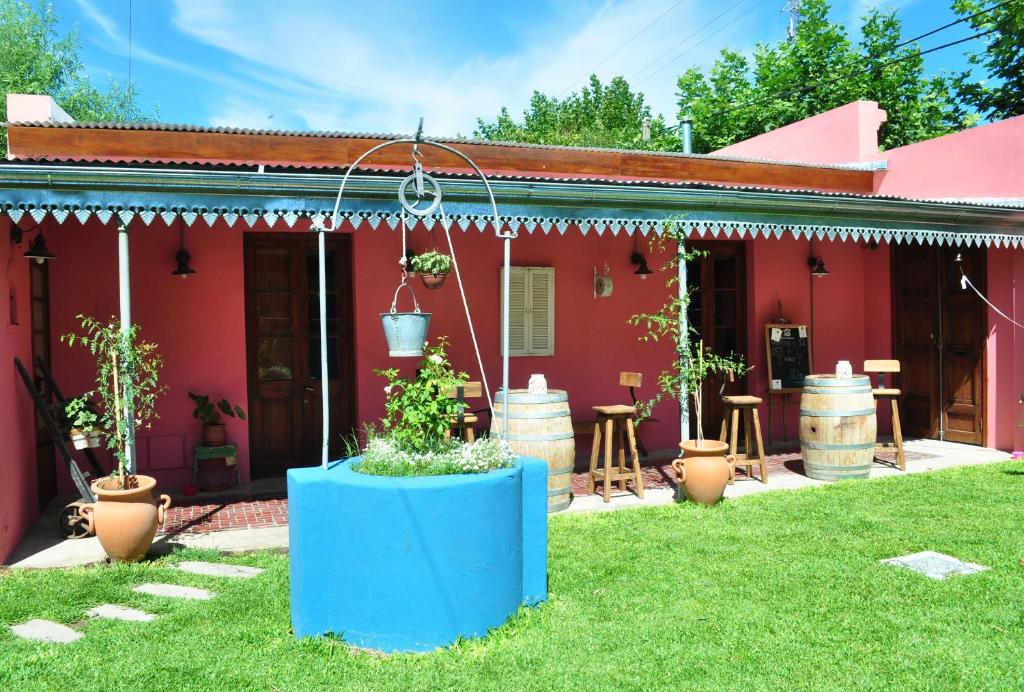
x: 411, y: 564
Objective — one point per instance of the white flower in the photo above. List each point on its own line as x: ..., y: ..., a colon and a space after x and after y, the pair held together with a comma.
x: 387, y: 389
x: 436, y: 359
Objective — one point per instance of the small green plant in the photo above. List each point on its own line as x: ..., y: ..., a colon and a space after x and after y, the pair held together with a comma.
x: 419, y: 411
x: 210, y: 413
x: 432, y: 263
x: 81, y: 416
x: 127, y: 383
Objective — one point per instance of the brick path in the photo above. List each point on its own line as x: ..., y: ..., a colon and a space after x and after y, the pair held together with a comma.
x: 262, y: 511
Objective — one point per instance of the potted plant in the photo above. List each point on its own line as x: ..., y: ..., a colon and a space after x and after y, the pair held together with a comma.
x: 433, y: 267
x: 703, y: 470
x: 126, y: 516
x: 209, y: 413
x: 472, y: 516
x: 82, y: 423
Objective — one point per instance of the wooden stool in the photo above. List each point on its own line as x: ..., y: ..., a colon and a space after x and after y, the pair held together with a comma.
x: 747, y: 405
x: 463, y: 423
x: 617, y: 424
x: 880, y: 367
x: 227, y: 452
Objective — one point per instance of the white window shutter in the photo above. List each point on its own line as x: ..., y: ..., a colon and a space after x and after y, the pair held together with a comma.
x: 541, y: 318
x: 531, y: 310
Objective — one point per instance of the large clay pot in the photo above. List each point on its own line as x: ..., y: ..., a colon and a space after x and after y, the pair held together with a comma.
x: 703, y: 448
x: 703, y: 478
x: 214, y: 435
x: 126, y: 520
x: 704, y: 470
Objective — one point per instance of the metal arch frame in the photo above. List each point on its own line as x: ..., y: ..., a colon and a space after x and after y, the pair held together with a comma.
x: 321, y: 249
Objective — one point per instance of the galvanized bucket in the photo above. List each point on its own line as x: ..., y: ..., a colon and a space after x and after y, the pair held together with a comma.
x: 406, y: 332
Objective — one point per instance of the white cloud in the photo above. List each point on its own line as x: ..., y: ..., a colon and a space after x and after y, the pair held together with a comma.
x: 321, y: 66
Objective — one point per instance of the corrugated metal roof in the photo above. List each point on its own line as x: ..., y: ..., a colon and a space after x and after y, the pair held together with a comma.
x: 392, y: 170
x: 333, y: 134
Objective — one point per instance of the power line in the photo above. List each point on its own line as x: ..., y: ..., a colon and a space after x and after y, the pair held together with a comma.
x: 619, y: 49
x: 814, y: 85
x: 695, y: 33
x: 702, y: 41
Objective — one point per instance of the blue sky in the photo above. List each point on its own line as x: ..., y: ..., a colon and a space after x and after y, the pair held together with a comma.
x: 377, y: 66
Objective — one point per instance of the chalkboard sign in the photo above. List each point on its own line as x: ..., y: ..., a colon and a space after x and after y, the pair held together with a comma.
x: 789, y: 356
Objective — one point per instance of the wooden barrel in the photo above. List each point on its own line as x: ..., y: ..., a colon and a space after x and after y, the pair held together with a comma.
x: 837, y: 427
x: 539, y: 425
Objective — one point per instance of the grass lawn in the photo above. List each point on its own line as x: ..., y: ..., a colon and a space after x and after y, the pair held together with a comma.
x: 775, y: 590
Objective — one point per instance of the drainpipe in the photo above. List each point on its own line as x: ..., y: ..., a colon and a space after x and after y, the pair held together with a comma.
x: 324, y: 384
x: 684, y: 401
x: 124, y: 291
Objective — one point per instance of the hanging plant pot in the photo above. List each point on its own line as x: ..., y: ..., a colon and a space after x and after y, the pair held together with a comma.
x: 82, y: 439
x: 433, y: 280
x: 405, y: 332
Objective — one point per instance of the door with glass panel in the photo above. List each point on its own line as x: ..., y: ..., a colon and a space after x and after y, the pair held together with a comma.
x: 283, y: 349
x: 717, y: 311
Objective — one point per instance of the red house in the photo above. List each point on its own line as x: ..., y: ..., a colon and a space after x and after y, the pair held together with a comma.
x: 888, y: 225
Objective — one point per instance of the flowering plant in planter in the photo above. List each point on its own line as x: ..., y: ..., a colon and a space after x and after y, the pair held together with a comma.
x: 412, y: 439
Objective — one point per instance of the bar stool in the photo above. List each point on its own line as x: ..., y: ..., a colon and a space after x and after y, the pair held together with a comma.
x: 881, y: 367
x: 733, y: 406
x: 615, y: 423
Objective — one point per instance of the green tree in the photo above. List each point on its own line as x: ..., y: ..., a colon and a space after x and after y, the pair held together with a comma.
x: 818, y: 70
x: 1002, y: 58
x: 599, y: 115
x: 36, y: 59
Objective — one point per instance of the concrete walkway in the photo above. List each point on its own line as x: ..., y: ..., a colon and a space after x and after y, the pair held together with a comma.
x: 45, y: 548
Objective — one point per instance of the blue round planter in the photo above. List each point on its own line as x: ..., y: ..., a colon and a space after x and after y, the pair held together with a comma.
x: 411, y: 564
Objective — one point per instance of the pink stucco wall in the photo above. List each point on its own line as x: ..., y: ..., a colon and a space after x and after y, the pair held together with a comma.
x: 199, y: 324
x: 17, y: 462
x: 847, y: 134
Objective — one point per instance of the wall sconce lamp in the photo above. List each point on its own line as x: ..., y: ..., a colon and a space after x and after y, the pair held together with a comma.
x: 37, y: 250
x: 817, y: 267
x: 183, y: 258
x: 642, y: 269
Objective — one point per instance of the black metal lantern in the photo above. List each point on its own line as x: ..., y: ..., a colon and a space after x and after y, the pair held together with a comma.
x: 37, y: 250
x: 183, y: 258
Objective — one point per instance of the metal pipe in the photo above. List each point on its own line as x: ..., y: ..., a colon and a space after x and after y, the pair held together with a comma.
x: 684, y: 326
x: 124, y: 291
x: 324, y: 384
x: 504, y: 333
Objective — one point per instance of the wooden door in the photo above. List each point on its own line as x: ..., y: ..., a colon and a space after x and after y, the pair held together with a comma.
x: 964, y: 330
x: 717, y: 311
x: 39, y: 306
x: 939, y: 333
x: 283, y: 345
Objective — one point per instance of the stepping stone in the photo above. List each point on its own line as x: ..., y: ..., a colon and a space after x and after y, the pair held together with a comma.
x: 46, y: 631
x: 174, y: 591
x: 116, y: 612
x: 213, y: 569
x: 935, y: 565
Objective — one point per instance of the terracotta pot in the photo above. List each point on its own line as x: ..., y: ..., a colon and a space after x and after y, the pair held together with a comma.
x: 125, y: 521
x: 433, y: 280
x: 106, y: 490
x: 125, y: 529
x: 703, y: 448
x: 214, y: 435
x: 703, y: 478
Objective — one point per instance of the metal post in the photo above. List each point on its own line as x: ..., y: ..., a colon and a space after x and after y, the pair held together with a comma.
x: 324, y: 385
x: 684, y: 401
x: 124, y: 290
x: 504, y: 335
